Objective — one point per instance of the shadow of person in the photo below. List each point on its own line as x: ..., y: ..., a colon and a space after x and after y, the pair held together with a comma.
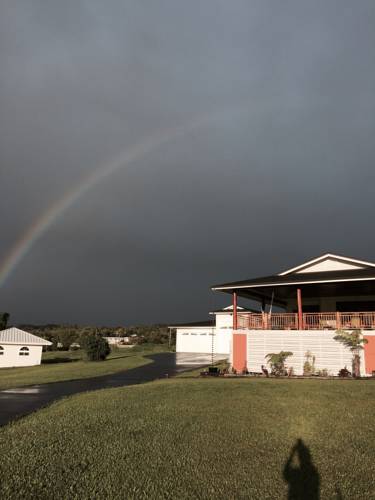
x: 303, y: 479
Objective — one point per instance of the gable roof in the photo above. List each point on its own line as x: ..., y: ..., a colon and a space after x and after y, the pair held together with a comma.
x: 16, y: 336
x: 336, y: 269
x: 329, y: 262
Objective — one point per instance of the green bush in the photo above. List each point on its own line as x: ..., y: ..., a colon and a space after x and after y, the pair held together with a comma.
x: 96, y: 347
x: 309, y: 365
x: 277, y: 362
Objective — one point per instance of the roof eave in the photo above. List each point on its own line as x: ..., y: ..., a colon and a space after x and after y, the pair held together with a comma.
x: 233, y: 286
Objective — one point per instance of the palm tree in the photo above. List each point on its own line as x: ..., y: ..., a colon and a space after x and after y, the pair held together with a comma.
x: 4, y: 320
x: 277, y: 361
x: 354, y: 341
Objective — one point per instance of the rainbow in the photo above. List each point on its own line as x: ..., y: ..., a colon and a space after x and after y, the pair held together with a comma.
x: 39, y: 227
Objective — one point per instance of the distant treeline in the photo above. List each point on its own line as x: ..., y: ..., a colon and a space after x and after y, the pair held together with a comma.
x: 63, y: 336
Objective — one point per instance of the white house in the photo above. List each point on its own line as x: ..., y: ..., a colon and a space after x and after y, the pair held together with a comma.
x: 300, y: 309
x: 20, y: 348
x: 117, y: 340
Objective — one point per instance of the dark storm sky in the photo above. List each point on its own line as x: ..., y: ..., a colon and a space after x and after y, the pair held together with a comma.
x: 281, y: 172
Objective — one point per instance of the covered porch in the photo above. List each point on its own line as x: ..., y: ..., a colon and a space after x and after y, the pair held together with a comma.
x: 307, y: 306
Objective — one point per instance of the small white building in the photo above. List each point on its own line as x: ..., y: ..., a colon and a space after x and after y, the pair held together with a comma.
x: 207, y: 337
x: 117, y: 340
x: 20, y: 348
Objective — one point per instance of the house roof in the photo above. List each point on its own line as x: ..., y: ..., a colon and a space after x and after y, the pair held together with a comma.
x: 16, y: 336
x: 318, y: 271
x: 229, y: 310
x: 194, y: 324
x: 300, y: 279
x: 209, y: 323
x: 334, y: 261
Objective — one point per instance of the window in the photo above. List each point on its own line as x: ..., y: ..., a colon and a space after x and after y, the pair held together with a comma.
x: 24, y: 351
x: 1, y: 350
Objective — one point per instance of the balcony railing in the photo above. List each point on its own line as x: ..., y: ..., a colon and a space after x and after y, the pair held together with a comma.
x: 310, y: 321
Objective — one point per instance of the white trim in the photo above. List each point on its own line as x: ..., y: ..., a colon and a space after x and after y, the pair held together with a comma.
x: 324, y: 257
x: 26, y: 344
x: 192, y: 327
x: 258, y: 285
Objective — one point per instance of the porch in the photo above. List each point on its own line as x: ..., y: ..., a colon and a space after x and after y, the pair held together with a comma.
x: 306, y: 321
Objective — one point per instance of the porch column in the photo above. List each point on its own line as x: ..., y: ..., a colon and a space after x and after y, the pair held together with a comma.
x: 234, y: 311
x: 299, y: 306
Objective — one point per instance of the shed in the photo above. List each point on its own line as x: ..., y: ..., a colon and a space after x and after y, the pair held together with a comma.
x: 20, y: 348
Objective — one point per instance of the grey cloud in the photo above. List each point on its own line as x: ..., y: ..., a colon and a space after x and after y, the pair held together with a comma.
x: 283, y: 171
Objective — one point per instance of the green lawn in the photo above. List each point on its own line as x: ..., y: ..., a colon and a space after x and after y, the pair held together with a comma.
x: 66, y: 365
x: 196, y: 438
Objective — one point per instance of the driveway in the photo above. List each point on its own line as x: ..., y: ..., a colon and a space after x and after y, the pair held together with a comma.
x: 17, y: 402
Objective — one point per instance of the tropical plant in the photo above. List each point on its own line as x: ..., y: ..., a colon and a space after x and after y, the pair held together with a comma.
x: 344, y: 372
x: 309, y: 364
x: 277, y: 362
x: 354, y: 341
x: 96, y: 347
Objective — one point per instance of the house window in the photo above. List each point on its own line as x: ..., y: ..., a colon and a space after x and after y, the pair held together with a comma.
x: 1, y: 350
x: 24, y: 351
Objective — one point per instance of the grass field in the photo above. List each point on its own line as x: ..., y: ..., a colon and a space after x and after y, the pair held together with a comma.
x: 187, y: 438
x: 69, y: 365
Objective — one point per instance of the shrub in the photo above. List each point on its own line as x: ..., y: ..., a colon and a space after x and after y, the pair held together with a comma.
x: 96, y: 347
x: 309, y: 365
x: 277, y: 362
x: 354, y: 341
x: 344, y: 372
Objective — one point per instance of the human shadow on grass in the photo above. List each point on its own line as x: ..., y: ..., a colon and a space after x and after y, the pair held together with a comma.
x: 303, y: 479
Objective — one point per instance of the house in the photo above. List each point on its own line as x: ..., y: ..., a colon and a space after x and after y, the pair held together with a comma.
x: 207, y: 337
x: 300, y: 310
x: 20, y: 348
x: 116, y: 340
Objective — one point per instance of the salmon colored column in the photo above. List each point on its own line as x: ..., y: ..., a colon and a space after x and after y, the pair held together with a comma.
x: 299, y: 305
x: 239, y: 362
x: 234, y: 311
x: 369, y: 354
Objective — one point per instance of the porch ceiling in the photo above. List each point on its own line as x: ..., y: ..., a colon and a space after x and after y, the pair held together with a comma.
x: 285, y: 292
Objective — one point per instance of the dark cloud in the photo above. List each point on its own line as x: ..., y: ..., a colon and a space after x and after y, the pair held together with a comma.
x: 283, y: 170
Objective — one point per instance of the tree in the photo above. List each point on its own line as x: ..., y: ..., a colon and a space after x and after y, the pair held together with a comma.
x: 4, y: 317
x: 277, y: 362
x: 354, y: 341
x: 96, y: 347
x: 66, y: 337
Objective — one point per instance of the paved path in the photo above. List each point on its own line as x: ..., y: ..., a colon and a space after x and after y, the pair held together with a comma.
x: 17, y: 402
